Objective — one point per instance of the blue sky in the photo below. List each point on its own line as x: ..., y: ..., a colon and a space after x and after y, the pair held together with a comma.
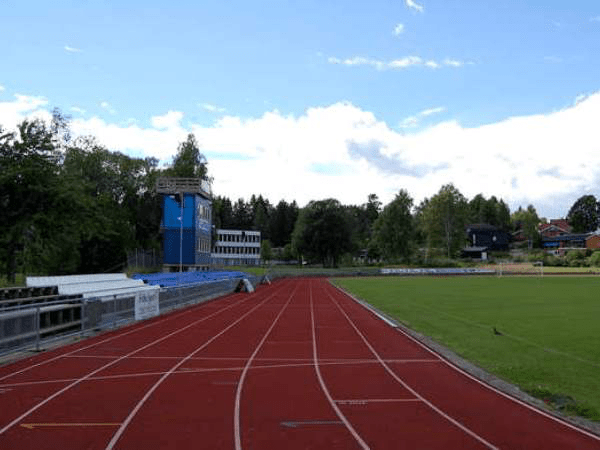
x: 330, y: 98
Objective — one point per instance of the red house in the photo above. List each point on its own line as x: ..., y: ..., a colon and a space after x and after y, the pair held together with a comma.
x: 556, y: 227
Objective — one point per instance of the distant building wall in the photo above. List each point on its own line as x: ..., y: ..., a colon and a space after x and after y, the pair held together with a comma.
x: 236, y: 247
x: 186, y: 229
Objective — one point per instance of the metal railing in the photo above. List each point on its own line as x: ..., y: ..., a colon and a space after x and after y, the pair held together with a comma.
x: 34, y: 326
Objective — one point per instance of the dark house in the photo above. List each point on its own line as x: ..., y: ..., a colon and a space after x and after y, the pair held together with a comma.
x: 484, y: 238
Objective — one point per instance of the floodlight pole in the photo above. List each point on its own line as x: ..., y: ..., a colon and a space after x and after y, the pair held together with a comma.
x: 181, y: 234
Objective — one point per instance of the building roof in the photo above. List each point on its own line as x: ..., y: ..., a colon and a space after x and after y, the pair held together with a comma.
x: 475, y: 249
x: 555, y: 225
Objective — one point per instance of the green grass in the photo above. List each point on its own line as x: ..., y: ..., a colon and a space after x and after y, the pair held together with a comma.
x: 550, y: 345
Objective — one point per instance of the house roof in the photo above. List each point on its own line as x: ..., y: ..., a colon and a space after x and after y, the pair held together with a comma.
x: 475, y: 249
x: 556, y: 225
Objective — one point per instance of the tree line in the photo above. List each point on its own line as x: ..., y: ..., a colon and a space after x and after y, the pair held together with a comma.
x: 73, y: 206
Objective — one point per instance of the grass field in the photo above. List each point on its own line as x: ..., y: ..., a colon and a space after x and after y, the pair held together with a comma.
x: 550, y: 342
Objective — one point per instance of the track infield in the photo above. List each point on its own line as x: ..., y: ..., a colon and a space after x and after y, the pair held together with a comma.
x: 297, y: 364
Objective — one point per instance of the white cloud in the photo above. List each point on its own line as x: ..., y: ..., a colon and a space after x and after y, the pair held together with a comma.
x: 1, y: 88
x: 453, y: 62
x: 107, y: 107
x: 405, y: 62
x: 595, y: 19
x: 212, y: 108
x: 414, y: 6
x: 345, y: 152
x: 432, y: 64
x: 72, y: 49
x: 409, y: 122
x: 398, y: 29
x: 22, y: 107
x: 429, y: 112
x: 168, y: 121
x: 413, y: 121
x: 402, y: 63
x: 77, y: 109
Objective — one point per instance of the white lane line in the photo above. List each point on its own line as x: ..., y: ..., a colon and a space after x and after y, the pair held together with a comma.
x: 296, y: 364
x: 79, y: 380
x: 237, y: 358
x: 335, y: 407
x: 477, y: 380
x: 150, y: 391
x: 365, y: 401
x: 165, y: 318
x: 406, y: 386
x: 238, y: 393
x: 503, y: 394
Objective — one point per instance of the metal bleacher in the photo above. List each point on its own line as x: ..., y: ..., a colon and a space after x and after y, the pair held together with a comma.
x: 51, y: 308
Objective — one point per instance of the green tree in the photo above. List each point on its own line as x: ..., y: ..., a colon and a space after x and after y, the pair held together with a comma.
x: 281, y: 223
x: 393, y: 231
x: 322, y: 232
x: 584, y: 214
x: 492, y: 212
x: 29, y: 187
x: 528, y: 221
x: 444, y: 218
x: 189, y: 162
x: 266, y: 251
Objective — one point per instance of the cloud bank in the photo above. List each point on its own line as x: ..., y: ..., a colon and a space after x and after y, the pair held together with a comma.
x: 345, y: 152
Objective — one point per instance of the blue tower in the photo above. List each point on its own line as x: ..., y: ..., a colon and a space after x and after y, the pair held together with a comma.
x: 186, y: 223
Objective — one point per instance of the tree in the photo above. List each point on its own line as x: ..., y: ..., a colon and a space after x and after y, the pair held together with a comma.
x: 189, y: 162
x: 281, y: 223
x: 322, y: 232
x: 29, y: 188
x: 528, y: 221
x: 266, y: 251
x: 492, y: 212
x: 393, y: 231
x: 584, y: 214
x: 444, y: 218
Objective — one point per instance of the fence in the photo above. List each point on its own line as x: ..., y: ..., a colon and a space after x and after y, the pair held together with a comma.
x: 144, y: 258
x: 32, y: 326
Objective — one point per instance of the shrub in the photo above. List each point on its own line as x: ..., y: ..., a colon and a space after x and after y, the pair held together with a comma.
x: 595, y: 259
x: 576, y: 258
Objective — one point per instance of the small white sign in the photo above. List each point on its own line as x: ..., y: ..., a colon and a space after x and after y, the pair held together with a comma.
x: 146, y: 304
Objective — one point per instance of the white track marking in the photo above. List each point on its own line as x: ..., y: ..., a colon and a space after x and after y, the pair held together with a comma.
x: 364, y: 401
x: 150, y: 391
x: 166, y: 317
x: 335, y: 407
x: 406, y: 386
x: 238, y: 393
x: 503, y: 394
x: 488, y: 386
x: 79, y: 380
x: 298, y: 364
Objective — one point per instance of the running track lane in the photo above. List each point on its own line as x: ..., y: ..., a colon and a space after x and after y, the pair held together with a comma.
x: 308, y: 366
x: 99, y: 385
x: 497, y: 419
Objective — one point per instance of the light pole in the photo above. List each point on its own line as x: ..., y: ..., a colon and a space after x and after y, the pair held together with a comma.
x: 181, y: 235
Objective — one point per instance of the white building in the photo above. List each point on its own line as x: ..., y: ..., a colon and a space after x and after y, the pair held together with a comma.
x: 236, y: 248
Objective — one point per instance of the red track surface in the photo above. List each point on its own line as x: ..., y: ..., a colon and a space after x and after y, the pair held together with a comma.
x: 295, y: 365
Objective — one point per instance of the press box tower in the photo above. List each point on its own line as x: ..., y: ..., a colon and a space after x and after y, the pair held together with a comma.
x: 186, y: 223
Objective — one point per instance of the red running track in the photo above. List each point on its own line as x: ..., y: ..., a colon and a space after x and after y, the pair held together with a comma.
x: 297, y: 364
